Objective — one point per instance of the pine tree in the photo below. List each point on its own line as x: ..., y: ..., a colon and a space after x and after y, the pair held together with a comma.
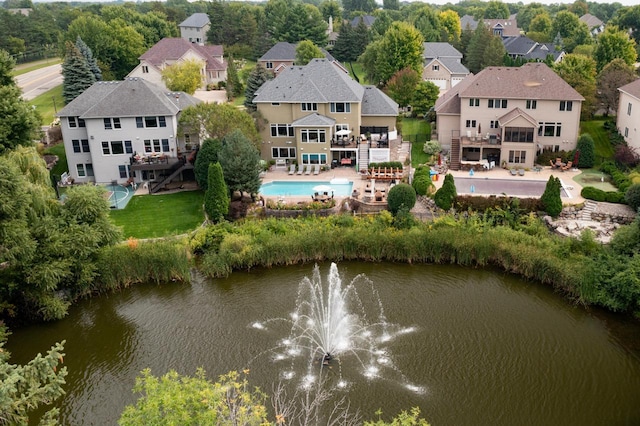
x: 88, y: 56
x: 216, y: 198
x: 446, y: 195
x: 550, y: 199
x: 207, y: 155
x: 76, y: 73
x: 477, y: 45
x: 234, y: 85
x: 240, y: 161
x: 256, y: 79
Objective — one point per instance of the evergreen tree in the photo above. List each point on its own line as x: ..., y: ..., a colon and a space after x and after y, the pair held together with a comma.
x: 88, y: 56
x: 551, y: 202
x: 207, y: 154
x: 494, y: 53
x: 306, y: 51
x: 344, y: 50
x: 6, y: 67
x: 477, y: 45
x: 234, y: 85
x: 256, y: 79
x: 587, y: 148
x: 76, y: 73
x: 216, y: 198
x: 446, y: 195
x: 240, y: 161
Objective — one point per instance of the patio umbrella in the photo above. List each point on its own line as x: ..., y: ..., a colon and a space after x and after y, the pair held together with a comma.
x: 322, y: 188
x: 576, y: 157
x: 479, y: 129
x: 343, y: 132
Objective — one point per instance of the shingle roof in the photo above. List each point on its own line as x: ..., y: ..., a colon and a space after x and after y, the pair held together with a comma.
x: 174, y: 48
x: 468, y: 21
x: 367, y: 19
x: 454, y: 65
x: 449, y: 102
x: 513, y: 114
x: 632, y: 89
x: 197, y: 20
x: 376, y: 102
x: 319, y: 81
x: 591, y: 21
x: 509, y: 26
x: 129, y: 98
x: 530, y: 81
x: 526, y: 48
x: 440, y: 50
x: 314, y: 119
x: 284, y: 51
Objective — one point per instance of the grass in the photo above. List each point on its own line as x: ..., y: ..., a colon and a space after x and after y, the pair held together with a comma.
x: 596, y: 179
x: 61, y: 166
x: 152, y: 216
x: 48, y: 103
x: 32, y: 66
x: 603, y: 148
x: 417, y: 131
x: 357, y: 67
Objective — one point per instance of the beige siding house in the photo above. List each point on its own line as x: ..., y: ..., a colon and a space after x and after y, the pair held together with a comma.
x: 319, y: 116
x: 442, y: 65
x: 194, y: 29
x: 628, y: 119
x: 506, y: 115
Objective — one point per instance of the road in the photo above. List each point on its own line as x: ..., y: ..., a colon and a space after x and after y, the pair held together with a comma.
x: 35, y: 83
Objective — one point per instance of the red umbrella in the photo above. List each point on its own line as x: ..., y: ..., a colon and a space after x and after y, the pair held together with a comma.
x: 439, y: 159
x: 576, y: 157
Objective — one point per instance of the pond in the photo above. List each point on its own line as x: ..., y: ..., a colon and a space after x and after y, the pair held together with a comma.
x: 478, y: 347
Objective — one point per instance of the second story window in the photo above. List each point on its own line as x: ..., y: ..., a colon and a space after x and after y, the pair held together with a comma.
x: 436, y: 67
x: 309, y: 106
x: 145, y: 69
x: 340, y: 107
x: 76, y: 122
x: 532, y: 104
x: 566, y: 105
x: 474, y: 102
x: 629, y: 108
x: 269, y: 65
x: 147, y: 122
x: 112, y: 123
x: 497, y: 103
x: 281, y: 130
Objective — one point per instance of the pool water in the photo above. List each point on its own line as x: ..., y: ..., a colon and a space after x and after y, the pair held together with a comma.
x: 118, y: 196
x: 303, y: 188
x: 509, y: 187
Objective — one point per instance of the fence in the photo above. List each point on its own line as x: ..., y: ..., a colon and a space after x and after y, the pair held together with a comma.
x: 417, y: 138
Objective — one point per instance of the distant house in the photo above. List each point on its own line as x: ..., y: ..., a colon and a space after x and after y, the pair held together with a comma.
x: 169, y: 51
x: 500, y: 27
x: 368, y: 20
x: 628, y: 118
x: 442, y: 65
x: 121, y: 130
x: 319, y: 116
x: 522, y: 47
x: 283, y: 55
x: 20, y: 11
x: 332, y: 35
x: 596, y: 26
x: 194, y: 29
x: 507, y: 115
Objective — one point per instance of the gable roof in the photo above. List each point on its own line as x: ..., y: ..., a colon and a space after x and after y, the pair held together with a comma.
x: 632, y: 89
x: 509, y: 26
x: 314, y: 119
x: 453, y: 65
x: 515, y: 113
x: 197, y: 20
x: 376, y: 102
x: 533, y: 80
x: 524, y: 47
x: 468, y: 21
x: 129, y: 98
x: 319, y: 81
x: 284, y: 51
x: 591, y: 21
x: 174, y: 48
x: 449, y: 102
x: 440, y: 50
x: 367, y: 19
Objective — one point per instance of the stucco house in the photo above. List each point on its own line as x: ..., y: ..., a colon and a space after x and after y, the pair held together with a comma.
x: 283, y: 55
x: 169, y: 51
x: 442, y: 65
x: 122, y: 130
x: 319, y: 116
x: 194, y: 29
x: 628, y: 118
x: 507, y: 115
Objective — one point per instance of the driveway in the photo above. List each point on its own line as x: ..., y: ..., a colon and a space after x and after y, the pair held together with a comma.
x: 35, y: 83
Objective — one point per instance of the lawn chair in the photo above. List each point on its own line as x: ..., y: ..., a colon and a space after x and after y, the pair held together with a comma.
x: 514, y: 172
x: 520, y: 172
x: 307, y: 169
x: 292, y: 169
x: 568, y: 166
x: 300, y: 169
x: 316, y: 169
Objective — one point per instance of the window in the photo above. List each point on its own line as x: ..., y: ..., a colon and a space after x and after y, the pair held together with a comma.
x: 76, y: 122
x: 117, y: 147
x: 145, y: 69
x: 111, y: 123
x: 161, y: 120
x: 123, y: 172
x: 139, y: 123
x: 76, y: 145
x: 471, y: 123
x: 497, y: 103
x: 309, y: 106
x: 275, y: 103
x: 474, y: 102
x: 313, y: 135
x: 150, y: 122
x: 342, y: 127
x: 165, y: 145
x: 283, y: 152
x: 281, y: 130
x: 80, y: 170
x: 269, y: 65
x: 629, y: 108
x: 518, y: 134
x: 89, y: 168
x: 107, y: 123
x: 340, y: 107
x: 517, y: 156
x: 626, y: 132
x: 80, y: 145
x: 532, y: 103
x: 128, y: 148
x: 156, y: 145
x: 314, y: 158
x: 147, y: 145
x: 84, y: 143
x: 187, y: 138
x: 435, y: 67
x: 105, y: 148
x: 549, y: 129
x: 494, y: 124
x: 566, y: 105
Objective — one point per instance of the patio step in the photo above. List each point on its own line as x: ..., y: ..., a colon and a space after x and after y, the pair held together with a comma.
x: 454, y: 160
x: 589, y: 207
x: 363, y: 156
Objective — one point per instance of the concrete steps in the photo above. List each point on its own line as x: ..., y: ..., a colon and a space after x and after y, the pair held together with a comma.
x: 589, y: 207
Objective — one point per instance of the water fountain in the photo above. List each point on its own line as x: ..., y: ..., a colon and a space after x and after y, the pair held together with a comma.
x: 338, y: 330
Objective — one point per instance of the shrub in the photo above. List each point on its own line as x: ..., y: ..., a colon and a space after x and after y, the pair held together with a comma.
x: 614, y: 197
x: 401, y: 195
x: 446, y: 194
x: 550, y: 199
x: 432, y: 147
x: 422, y: 171
x: 387, y: 164
x: 620, y: 180
x: 632, y: 196
x: 422, y: 185
x: 591, y: 193
x: 587, y: 149
x: 626, y: 155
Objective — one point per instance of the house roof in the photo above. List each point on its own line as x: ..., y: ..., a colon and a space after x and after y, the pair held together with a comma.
x: 468, y: 21
x: 453, y: 65
x: 197, y: 20
x: 515, y: 113
x: 174, y: 48
x: 376, y: 102
x: 440, y: 50
x: 284, y: 51
x: 522, y: 46
x: 632, y: 89
x: 509, y: 26
x: 319, y: 81
x: 449, y: 102
x: 591, y: 21
x: 533, y: 80
x: 132, y: 97
x: 367, y: 19
x: 314, y: 119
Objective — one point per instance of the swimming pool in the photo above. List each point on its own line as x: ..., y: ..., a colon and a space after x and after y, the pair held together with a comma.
x: 303, y: 188
x: 511, y: 187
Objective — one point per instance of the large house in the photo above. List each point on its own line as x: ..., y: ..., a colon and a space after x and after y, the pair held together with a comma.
x: 442, y: 65
x: 169, y: 51
x: 126, y: 131
x: 319, y: 116
x: 282, y: 55
x: 596, y: 26
x: 500, y: 27
x: 628, y: 119
x: 506, y: 115
x: 194, y: 29
x: 522, y: 47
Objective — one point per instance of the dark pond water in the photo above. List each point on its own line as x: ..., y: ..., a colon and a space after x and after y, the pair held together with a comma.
x: 486, y: 348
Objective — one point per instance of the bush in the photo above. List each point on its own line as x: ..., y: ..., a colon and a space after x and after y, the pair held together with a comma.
x: 422, y: 185
x: 587, y: 149
x: 432, y: 147
x: 422, y: 171
x: 591, y: 193
x: 481, y: 204
x: 620, y: 180
x: 550, y: 199
x: 627, y: 156
x: 401, y: 195
x: 446, y: 195
x: 632, y: 196
x: 387, y: 164
x: 614, y: 197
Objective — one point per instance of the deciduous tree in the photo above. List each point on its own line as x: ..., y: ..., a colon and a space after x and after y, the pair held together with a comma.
x: 426, y: 21
x: 306, y: 51
x: 425, y: 97
x: 527, y: 13
x: 402, y: 86
x: 571, y: 29
x: 183, y: 76
x: 496, y: 10
x: 612, y: 44
x: 450, y: 26
x: 614, y: 75
x: 240, y: 161
x: 216, y: 198
x: 580, y: 73
x: 218, y: 120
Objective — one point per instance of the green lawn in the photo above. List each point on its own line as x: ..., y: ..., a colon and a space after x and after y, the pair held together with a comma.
x: 417, y: 131
x: 151, y: 216
x: 357, y: 67
x: 61, y: 166
x: 48, y: 103
x: 595, y: 128
x: 32, y: 66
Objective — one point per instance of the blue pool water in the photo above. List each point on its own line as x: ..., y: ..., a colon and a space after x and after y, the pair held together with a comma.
x: 118, y: 196
x: 303, y: 188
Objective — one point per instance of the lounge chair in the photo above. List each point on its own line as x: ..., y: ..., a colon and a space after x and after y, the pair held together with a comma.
x: 307, y: 169
x: 521, y: 172
x: 568, y: 166
x: 316, y: 169
x: 514, y: 172
x: 292, y: 169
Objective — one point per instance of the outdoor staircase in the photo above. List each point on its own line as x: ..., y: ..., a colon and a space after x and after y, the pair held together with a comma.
x: 589, y: 207
x: 363, y: 157
x: 454, y: 154
x: 175, y: 171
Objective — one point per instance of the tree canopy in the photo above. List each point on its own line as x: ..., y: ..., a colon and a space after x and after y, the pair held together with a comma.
x: 402, y: 86
x: 580, y: 72
x: 77, y: 76
x: 183, y: 76
x: 240, y: 161
x: 218, y: 120
x: 306, y: 51
x: 614, y: 75
x: 613, y: 44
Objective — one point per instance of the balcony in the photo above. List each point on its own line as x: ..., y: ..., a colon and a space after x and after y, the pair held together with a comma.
x: 480, y: 141
x: 155, y: 162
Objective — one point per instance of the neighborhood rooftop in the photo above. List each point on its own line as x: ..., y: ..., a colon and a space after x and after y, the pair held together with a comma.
x: 632, y: 88
x: 174, y: 48
x: 197, y: 20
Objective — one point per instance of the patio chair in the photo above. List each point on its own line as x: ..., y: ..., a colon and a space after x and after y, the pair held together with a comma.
x: 307, y: 169
x: 316, y: 169
x: 292, y: 169
x: 568, y: 166
x: 520, y: 172
x: 301, y: 169
x: 514, y: 172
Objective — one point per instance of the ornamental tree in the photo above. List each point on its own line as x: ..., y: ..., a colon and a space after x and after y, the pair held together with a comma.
x: 446, y: 195
x: 216, y: 198
x: 240, y: 161
x: 400, y: 196
x: 551, y: 202
x: 587, y: 148
x: 183, y: 76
